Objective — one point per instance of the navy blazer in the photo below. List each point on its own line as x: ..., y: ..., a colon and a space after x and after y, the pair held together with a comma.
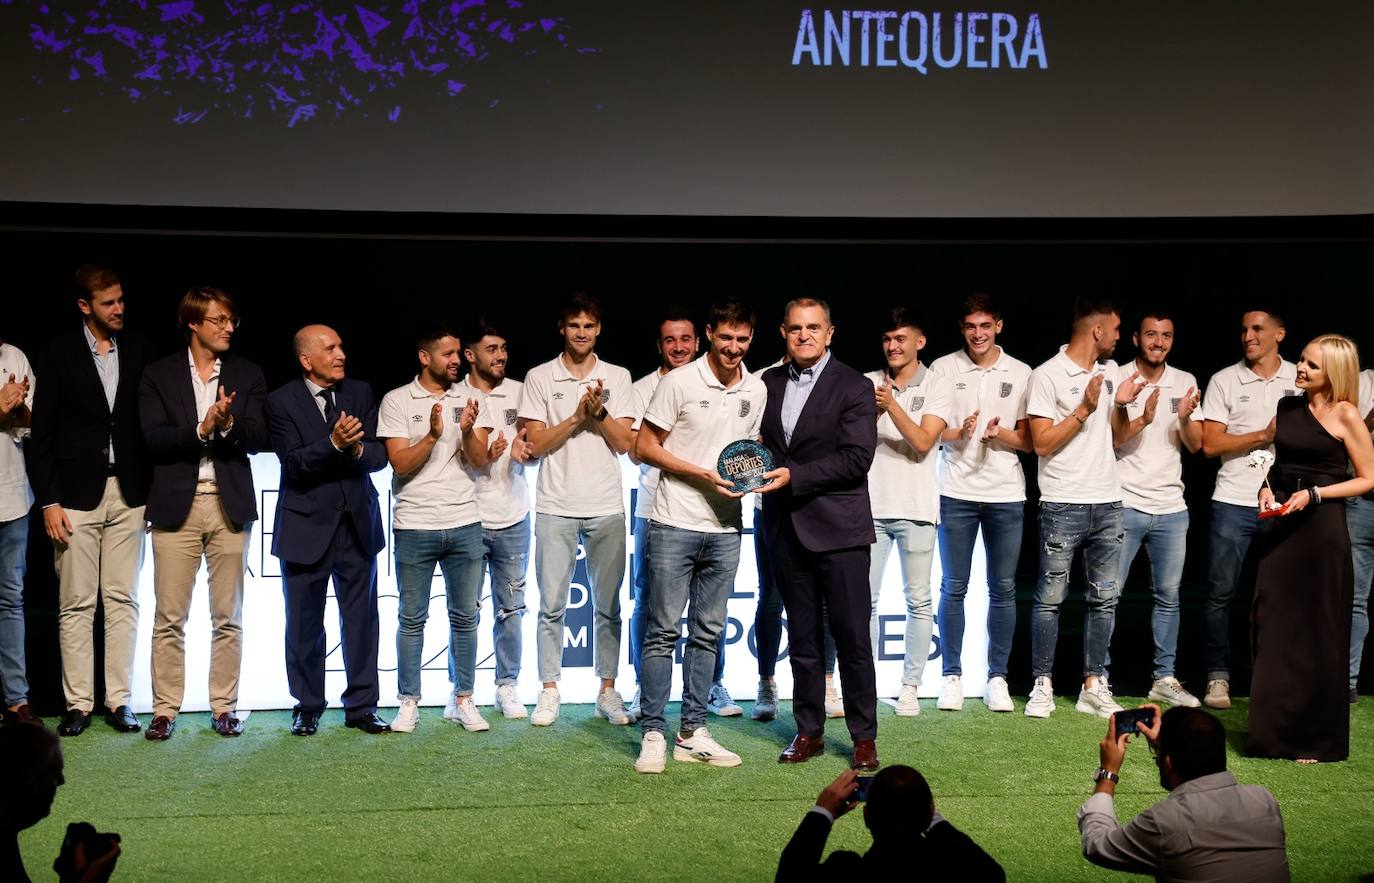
x: 168, y: 412
x: 829, y: 456
x: 68, y: 453
x: 319, y: 483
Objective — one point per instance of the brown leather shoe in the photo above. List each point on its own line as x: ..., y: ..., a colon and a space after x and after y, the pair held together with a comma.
x: 161, y: 729
x: 802, y: 749
x: 226, y: 725
x: 865, y: 756
x: 23, y: 715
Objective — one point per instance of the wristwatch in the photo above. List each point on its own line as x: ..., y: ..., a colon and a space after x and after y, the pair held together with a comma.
x: 1104, y: 773
x: 601, y: 415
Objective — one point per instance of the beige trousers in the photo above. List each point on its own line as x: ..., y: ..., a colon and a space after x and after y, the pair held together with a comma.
x: 176, y: 561
x: 99, y: 563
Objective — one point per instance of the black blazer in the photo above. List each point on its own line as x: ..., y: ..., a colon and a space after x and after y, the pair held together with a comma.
x: 167, y: 410
x: 831, y: 451
x: 319, y: 484
x: 941, y: 853
x: 68, y: 452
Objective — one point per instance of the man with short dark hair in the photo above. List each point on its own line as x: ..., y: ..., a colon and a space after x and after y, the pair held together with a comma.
x: 1209, y: 828
x: 909, y: 836
x: 89, y: 469
x: 202, y: 415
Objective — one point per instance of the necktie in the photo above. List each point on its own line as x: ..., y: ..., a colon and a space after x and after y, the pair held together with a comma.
x: 330, y: 413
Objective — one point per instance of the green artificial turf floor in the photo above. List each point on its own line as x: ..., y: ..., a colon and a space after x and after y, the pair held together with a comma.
x: 564, y: 803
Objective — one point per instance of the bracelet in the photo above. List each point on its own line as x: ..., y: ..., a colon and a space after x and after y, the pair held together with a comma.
x: 1316, y: 493
x: 1081, y: 420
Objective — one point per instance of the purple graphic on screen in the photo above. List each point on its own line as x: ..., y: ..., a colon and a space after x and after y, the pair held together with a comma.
x: 295, y: 62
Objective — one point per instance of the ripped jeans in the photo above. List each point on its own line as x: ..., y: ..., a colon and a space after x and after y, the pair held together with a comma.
x: 508, y: 554
x: 1097, y: 529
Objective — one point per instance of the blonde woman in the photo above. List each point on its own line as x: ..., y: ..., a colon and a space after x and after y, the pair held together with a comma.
x: 1304, y: 581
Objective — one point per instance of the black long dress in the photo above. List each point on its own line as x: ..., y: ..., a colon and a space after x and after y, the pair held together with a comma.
x: 1304, y: 588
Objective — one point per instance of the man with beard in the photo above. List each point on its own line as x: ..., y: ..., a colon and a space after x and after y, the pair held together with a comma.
x: 1150, y: 464
x: 428, y: 427
x: 503, y: 502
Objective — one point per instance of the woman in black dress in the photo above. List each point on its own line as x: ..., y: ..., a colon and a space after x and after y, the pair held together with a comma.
x: 1304, y: 580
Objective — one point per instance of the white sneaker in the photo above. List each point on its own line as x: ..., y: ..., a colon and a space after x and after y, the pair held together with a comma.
x: 766, y: 705
x: 1097, y: 699
x: 701, y: 748
x: 470, y: 717
x: 407, y: 716
x: 834, y: 703
x: 636, y: 707
x: 653, y: 753
x: 611, y: 705
x: 997, y: 697
x: 1171, y: 691
x: 1218, y: 694
x: 1041, y: 702
x: 451, y: 707
x: 908, y: 705
x: 719, y: 702
x: 546, y: 707
x: 951, y: 695
x: 509, y: 703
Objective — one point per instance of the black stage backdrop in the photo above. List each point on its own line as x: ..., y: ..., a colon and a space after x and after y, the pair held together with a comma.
x: 376, y: 278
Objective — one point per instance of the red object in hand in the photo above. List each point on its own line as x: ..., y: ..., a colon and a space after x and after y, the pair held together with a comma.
x: 1274, y: 513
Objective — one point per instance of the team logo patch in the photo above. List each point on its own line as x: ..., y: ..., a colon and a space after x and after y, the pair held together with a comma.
x: 1173, y: 405
x: 962, y: 385
x: 1005, y: 391
x: 1244, y: 400
x: 703, y: 404
x: 1108, y: 384
x: 558, y: 396
x: 744, y: 405
x: 416, y: 418
x: 457, y: 414
x: 917, y: 403
x: 605, y: 396
x: 510, y: 416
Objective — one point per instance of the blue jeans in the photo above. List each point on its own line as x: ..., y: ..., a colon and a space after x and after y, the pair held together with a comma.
x: 1359, y: 519
x: 1165, y: 538
x: 14, y: 544
x: 556, y: 539
x: 695, y: 571
x: 639, y: 619
x: 508, y: 555
x: 458, y: 553
x: 1233, y: 527
x: 768, y: 614
x: 1097, y: 529
x: 1002, y: 525
x: 915, y: 542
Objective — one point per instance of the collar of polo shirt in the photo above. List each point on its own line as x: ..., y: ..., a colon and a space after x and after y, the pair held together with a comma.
x: 966, y: 364
x: 1287, y: 371
x: 418, y: 391
x: 561, y: 372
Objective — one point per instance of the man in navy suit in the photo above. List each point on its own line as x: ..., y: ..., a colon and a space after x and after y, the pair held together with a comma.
x: 821, y: 427
x: 324, y: 430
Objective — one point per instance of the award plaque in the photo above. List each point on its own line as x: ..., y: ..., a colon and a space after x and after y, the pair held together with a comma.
x: 743, y: 463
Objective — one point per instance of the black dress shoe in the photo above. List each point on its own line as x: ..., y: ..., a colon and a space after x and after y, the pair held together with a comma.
x: 74, y: 722
x: 123, y: 719
x: 226, y: 725
x: 23, y: 715
x: 370, y: 724
x: 161, y: 729
x: 304, y: 723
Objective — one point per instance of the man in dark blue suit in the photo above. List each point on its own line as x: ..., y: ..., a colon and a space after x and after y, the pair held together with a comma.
x: 821, y: 427
x: 324, y: 431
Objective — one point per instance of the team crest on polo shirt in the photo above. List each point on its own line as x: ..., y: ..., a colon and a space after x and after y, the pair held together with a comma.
x: 1005, y: 391
x: 457, y: 414
x: 917, y: 402
x: 605, y: 396
x: 1108, y: 384
x: 1173, y: 405
x: 744, y: 405
x: 510, y: 416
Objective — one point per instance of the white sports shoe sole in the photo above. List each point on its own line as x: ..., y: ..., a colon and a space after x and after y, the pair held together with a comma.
x: 686, y: 756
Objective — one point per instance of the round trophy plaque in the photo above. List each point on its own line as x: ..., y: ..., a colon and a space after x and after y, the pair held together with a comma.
x: 743, y: 463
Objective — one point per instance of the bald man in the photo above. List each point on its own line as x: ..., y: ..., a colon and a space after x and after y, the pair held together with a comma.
x: 328, y: 524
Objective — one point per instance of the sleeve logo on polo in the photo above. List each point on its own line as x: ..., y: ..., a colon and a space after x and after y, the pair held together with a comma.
x: 1005, y: 391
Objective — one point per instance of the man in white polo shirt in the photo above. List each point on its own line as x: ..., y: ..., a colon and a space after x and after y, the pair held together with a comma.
x: 694, y: 529
x: 982, y: 485
x: 1359, y: 519
x: 577, y: 412
x: 1150, y: 463
x: 913, y: 407
x: 1072, y: 425
x: 16, y: 416
x: 1238, y: 410
x: 503, y: 502
x: 428, y: 429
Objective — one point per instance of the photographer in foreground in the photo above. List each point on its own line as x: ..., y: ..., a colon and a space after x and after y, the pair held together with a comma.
x: 1209, y: 827
x: 908, y: 834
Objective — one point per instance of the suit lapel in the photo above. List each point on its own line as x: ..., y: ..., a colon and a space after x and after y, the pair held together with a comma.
x: 89, y: 371
x: 187, y: 392
x: 308, y: 417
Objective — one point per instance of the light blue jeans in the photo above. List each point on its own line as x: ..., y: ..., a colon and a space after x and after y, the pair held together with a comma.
x: 556, y: 540
x: 1359, y: 520
x: 639, y: 590
x: 693, y: 571
x: 915, y: 542
x: 1097, y: 529
x: 1002, y: 525
x: 508, y: 555
x: 458, y: 554
x: 14, y: 544
x: 1165, y: 538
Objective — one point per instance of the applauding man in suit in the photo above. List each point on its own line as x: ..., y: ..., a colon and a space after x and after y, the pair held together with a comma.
x: 820, y: 425
x: 202, y: 415
x: 324, y: 431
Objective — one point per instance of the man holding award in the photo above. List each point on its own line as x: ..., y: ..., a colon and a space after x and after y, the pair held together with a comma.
x: 698, y: 431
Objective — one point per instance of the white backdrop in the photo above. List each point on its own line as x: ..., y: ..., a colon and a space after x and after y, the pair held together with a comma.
x: 263, y: 682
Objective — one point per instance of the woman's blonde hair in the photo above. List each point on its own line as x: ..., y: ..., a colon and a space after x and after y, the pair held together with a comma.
x: 1341, y: 362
